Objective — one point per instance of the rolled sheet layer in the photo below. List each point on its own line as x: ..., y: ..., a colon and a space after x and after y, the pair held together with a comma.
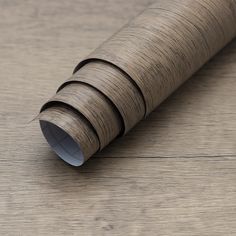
x: 131, y: 73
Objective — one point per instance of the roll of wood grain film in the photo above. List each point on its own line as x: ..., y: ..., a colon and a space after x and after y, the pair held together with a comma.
x: 131, y: 73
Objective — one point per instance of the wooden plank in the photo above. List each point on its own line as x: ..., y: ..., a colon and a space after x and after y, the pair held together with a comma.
x: 131, y: 188
x: 119, y: 197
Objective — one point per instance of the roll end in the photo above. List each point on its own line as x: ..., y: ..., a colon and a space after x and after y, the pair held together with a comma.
x: 62, y: 143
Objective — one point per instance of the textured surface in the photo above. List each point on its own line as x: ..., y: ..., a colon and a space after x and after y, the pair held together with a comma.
x: 174, y: 174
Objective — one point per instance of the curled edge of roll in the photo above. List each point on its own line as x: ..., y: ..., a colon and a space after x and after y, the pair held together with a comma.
x: 58, y: 125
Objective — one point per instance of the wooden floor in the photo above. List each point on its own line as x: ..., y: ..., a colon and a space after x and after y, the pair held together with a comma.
x: 174, y: 174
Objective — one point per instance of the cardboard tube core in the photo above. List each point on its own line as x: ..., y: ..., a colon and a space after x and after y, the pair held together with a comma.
x: 62, y: 143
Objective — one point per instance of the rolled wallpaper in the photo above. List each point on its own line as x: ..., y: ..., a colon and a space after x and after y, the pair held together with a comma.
x: 130, y: 74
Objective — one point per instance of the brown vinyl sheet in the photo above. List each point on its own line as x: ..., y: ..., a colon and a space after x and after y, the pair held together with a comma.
x: 131, y: 73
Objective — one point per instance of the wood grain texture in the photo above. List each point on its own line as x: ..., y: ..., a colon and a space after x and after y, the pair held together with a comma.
x: 174, y: 174
x: 87, y: 99
x: 167, y: 43
x: 117, y: 87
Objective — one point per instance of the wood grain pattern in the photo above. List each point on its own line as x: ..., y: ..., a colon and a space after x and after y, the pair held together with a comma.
x: 159, y: 49
x: 86, y: 100
x: 118, y: 88
x: 174, y: 174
